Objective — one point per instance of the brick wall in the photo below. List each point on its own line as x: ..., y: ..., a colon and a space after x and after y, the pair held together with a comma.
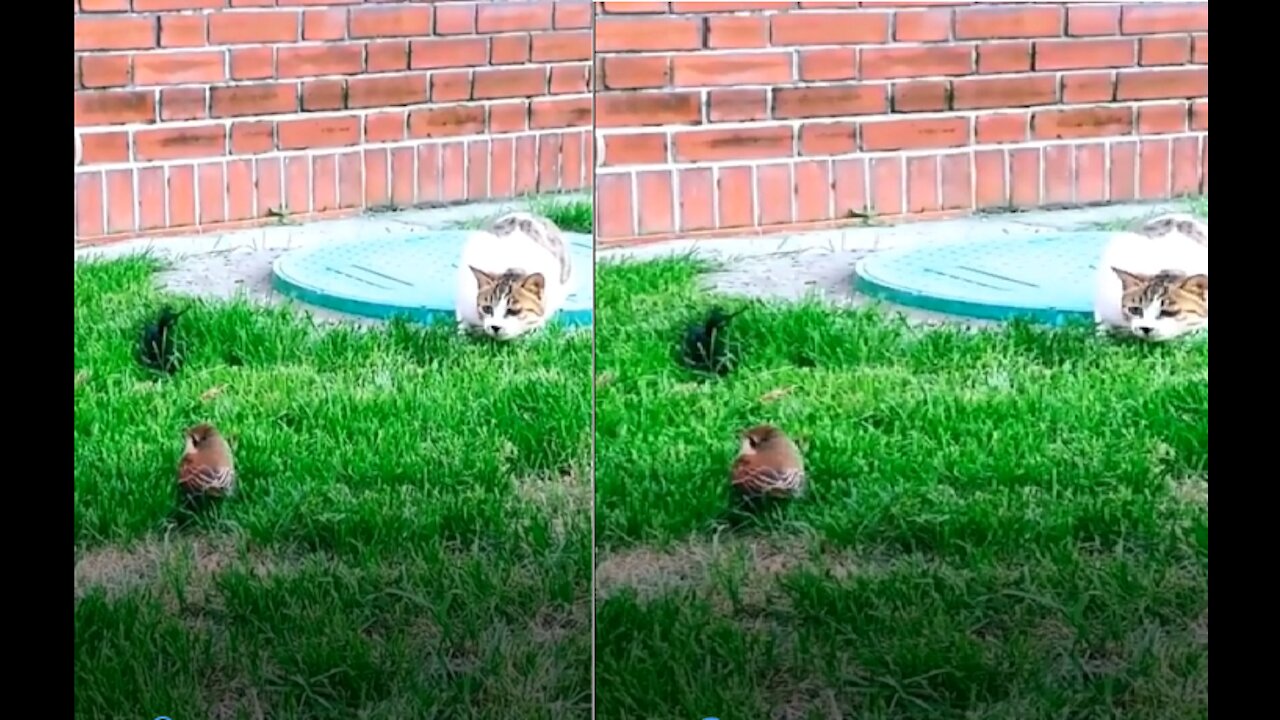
x: 191, y: 114
x: 725, y: 117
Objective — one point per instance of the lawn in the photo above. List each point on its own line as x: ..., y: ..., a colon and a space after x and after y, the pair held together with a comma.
x: 1004, y: 524
x: 412, y: 537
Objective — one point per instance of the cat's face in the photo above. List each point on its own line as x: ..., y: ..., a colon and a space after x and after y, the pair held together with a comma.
x: 1164, y: 305
x: 509, y: 304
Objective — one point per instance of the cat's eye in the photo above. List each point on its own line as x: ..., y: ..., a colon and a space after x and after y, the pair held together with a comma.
x: 486, y: 309
x: 1167, y: 312
x: 512, y: 312
x: 1133, y: 310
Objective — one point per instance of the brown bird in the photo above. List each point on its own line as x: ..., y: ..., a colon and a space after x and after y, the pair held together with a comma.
x: 206, y: 468
x: 768, y: 465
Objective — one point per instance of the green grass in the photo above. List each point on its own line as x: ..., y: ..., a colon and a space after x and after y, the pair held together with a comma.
x: 412, y: 538
x: 570, y: 214
x: 1005, y: 523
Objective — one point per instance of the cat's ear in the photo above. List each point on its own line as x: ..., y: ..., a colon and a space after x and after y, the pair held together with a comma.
x: 1129, y: 280
x: 1196, y: 285
x: 483, y: 278
x: 1195, y: 231
x: 534, y: 283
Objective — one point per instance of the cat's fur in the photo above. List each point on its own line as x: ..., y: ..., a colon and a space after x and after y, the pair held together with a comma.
x: 513, y: 276
x: 1154, y: 283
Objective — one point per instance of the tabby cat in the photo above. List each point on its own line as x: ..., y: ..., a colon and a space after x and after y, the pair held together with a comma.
x: 1153, y: 283
x: 513, y: 276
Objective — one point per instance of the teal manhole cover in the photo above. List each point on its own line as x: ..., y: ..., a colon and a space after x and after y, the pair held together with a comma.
x: 413, y: 274
x: 1047, y: 278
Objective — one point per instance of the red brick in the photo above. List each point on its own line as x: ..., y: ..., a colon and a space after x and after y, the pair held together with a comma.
x: 108, y: 147
x: 654, y: 194
x: 920, y: 96
x: 957, y: 182
x: 89, y: 6
x: 120, y: 201
x: 829, y: 101
x: 569, y: 79
x: 509, y: 49
x: 812, y: 191
x: 387, y: 56
x: 183, y: 30
x: 179, y: 67
x: 1091, y: 173
x: 559, y: 113
x: 456, y: 19
x: 1164, y: 18
x: 513, y: 17
x: 933, y: 25
x: 1009, y: 22
x: 513, y: 82
x: 1186, y: 166
x: 180, y: 143
x: 1084, y: 54
x: 738, y: 145
x: 446, y: 121
x: 737, y: 32
x: 239, y: 189
x: 880, y: 63
x: 639, y: 149
x: 732, y: 69
x: 1165, y: 50
x: 774, y: 187
x: 1001, y: 92
x: 328, y: 59
x: 716, y: 7
x: 614, y: 209
x: 509, y: 117
x: 269, y: 173
x: 738, y: 104
x: 886, y: 186
x: 569, y: 14
x: 829, y: 64
x: 351, y: 178
x: 375, y: 91
x: 451, y: 86
x: 1162, y: 84
x: 253, y: 138
x: 998, y: 127
x: 915, y: 134
x: 737, y: 203
x: 922, y: 184
x: 1153, y: 169
x: 151, y: 185
x: 324, y: 24
x: 623, y: 34
x: 324, y: 180
x: 851, y: 188
x: 1083, y: 20
x: 697, y: 200
x: 502, y: 173
x: 297, y: 187
x: 230, y: 28
x: 1024, y: 177
x: 1004, y: 57
x: 624, y: 73
x: 828, y: 139
x: 89, y: 204
x: 628, y: 109
x: 381, y: 22
x: 182, y: 196
x: 1082, y: 123
x: 1200, y: 115
x: 1200, y: 50
x: 834, y: 28
x: 382, y: 127
x: 1162, y: 119
x: 117, y: 32
x: 1059, y: 180
x: 255, y: 63
x: 261, y: 99
x: 402, y: 176
x: 1124, y: 171
x: 324, y: 95
x: 101, y: 71
x: 561, y: 46
x: 478, y: 170
x: 313, y: 133
x: 448, y: 52
x: 148, y: 5
x: 1088, y: 87
x: 114, y: 107
x: 377, y: 180
x: 990, y: 189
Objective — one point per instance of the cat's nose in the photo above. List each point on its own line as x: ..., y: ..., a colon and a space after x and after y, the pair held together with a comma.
x: 494, y: 329
x: 1145, y: 330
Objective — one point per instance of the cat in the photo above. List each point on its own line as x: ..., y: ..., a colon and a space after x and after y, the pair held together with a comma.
x: 1153, y: 283
x: 513, y: 276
